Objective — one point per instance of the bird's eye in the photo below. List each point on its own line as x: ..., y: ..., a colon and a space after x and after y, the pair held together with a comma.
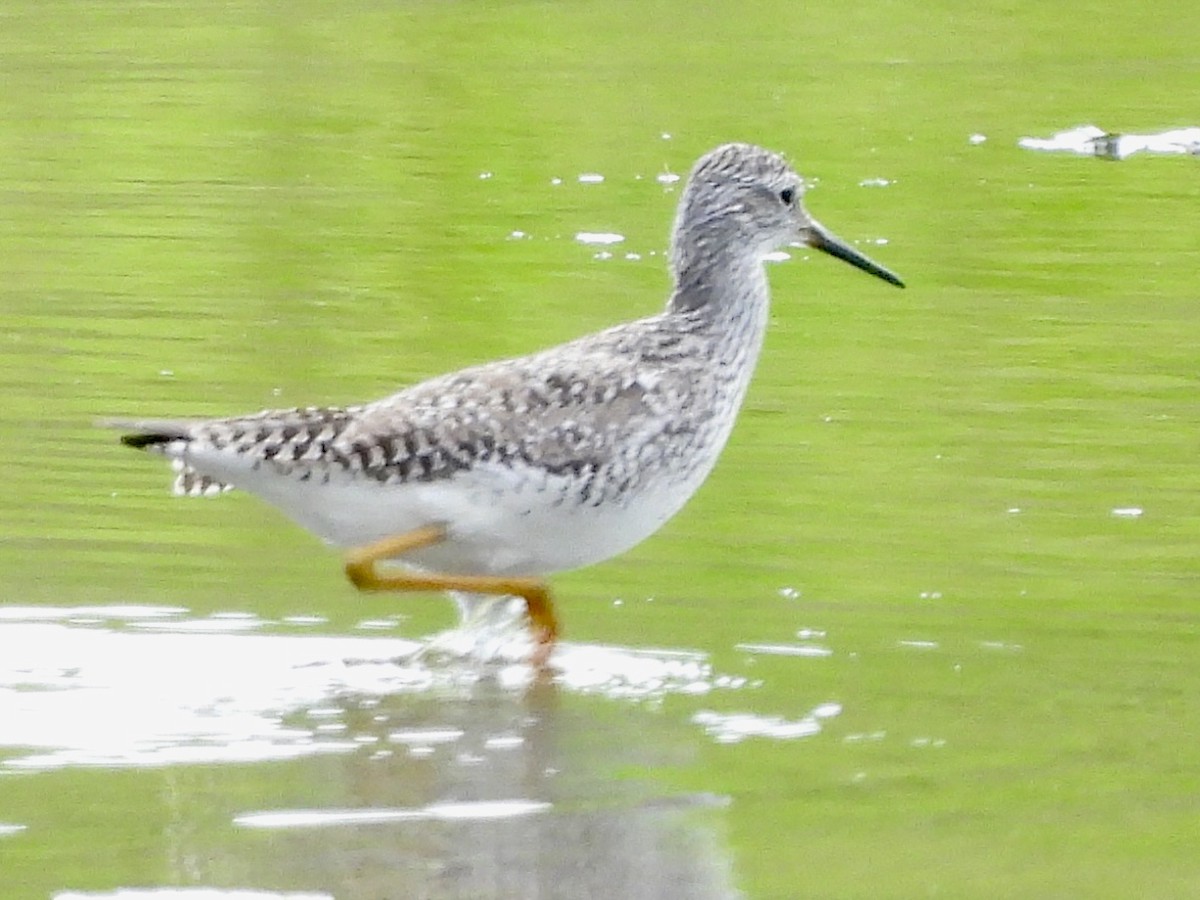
x: 787, y: 195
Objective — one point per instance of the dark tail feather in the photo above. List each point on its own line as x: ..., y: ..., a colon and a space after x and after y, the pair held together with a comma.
x: 148, y: 439
x: 157, y: 435
x: 144, y: 434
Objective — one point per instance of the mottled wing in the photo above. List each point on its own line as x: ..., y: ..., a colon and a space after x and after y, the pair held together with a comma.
x: 585, y: 409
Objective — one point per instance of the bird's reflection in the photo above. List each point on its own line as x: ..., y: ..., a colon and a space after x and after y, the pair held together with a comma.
x: 501, y: 794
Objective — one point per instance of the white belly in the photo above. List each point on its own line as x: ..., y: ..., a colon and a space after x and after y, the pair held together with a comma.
x: 499, y: 520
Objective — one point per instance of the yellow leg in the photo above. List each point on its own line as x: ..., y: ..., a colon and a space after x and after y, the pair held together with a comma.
x: 361, y: 570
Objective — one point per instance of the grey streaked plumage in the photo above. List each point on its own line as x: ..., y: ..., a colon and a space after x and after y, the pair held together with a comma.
x: 540, y: 411
x: 548, y: 461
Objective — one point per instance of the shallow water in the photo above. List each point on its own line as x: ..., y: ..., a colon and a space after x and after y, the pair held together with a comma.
x: 930, y: 628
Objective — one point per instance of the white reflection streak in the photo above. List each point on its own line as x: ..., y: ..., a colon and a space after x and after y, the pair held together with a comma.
x: 456, y: 811
x: 189, y: 893
x: 90, y: 696
x: 148, y: 696
x: 62, y: 613
x: 813, y: 650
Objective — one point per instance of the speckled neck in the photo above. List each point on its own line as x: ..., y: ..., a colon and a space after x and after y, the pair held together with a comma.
x: 720, y: 284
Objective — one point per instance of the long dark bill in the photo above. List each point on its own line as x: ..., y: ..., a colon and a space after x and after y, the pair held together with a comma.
x: 819, y: 239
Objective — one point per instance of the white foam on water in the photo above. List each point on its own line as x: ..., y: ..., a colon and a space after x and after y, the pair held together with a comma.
x: 1090, y: 140
x: 733, y: 728
x: 1078, y: 140
x: 601, y: 238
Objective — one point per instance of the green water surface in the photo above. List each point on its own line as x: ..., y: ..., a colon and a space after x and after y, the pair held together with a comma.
x: 980, y: 492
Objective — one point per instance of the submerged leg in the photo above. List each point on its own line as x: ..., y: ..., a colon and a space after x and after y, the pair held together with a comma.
x: 362, y: 570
